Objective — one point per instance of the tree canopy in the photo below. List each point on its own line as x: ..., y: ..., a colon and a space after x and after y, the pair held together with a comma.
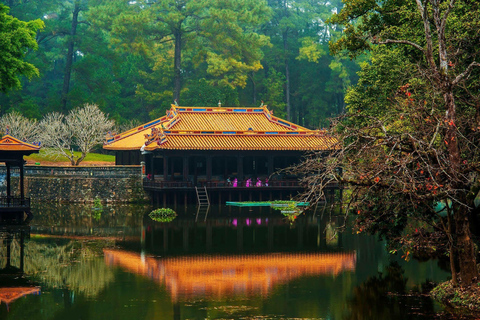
x: 409, y: 141
x: 132, y: 58
x: 16, y: 39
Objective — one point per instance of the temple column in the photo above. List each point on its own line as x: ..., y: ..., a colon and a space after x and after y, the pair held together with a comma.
x: 240, y: 168
x: 209, y: 168
x: 270, y: 165
x: 172, y: 167
x: 152, y: 168
x: 8, y: 181
x: 185, y: 168
x: 22, y: 186
x: 165, y: 168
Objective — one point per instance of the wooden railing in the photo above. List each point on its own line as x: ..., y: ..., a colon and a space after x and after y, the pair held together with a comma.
x: 167, y: 184
x: 217, y: 184
x: 11, y: 202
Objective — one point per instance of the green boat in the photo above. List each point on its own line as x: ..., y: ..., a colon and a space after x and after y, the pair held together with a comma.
x: 264, y: 204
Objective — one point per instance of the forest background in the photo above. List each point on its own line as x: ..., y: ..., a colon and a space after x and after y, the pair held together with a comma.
x: 133, y: 58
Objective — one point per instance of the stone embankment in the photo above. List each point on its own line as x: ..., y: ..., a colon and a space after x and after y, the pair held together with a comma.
x: 79, y: 184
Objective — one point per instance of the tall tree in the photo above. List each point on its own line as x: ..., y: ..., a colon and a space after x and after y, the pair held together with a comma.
x: 412, y: 145
x: 77, y: 7
x: 82, y: 128
x: 16, y: 39
x: 293, y: 23
x: 220, y: 34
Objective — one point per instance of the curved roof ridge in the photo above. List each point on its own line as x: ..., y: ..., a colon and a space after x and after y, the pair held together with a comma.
x: 113, y: 137
x: 11, y: 143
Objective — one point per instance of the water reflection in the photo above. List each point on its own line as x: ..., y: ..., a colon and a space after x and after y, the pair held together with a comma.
x: 379, y: 295
x: 236, y: 264
x: 238, y: 230
x: 13, y: 284
x: 228, y: 276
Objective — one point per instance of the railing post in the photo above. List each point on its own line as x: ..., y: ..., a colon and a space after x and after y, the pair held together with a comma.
x: 8, y: 183
x: 22, y: 185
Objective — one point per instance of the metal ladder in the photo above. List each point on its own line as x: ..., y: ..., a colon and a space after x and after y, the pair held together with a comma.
x: 202, y: 196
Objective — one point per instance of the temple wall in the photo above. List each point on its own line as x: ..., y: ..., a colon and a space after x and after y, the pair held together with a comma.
x: 81, y: 184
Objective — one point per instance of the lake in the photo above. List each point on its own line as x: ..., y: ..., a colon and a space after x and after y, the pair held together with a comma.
x: 227, y: 263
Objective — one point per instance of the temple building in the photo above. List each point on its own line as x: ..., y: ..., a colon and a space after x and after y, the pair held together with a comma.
x: 217, y: 148
x: 13, y: 206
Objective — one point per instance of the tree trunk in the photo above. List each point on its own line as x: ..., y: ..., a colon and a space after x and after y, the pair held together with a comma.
x: 70, y: 51
x: 464, y: 243
x: 254, y: 89
x: 84, y: 154
x: 177, y: 66
x: 465, y: 248
x: 287, y: 75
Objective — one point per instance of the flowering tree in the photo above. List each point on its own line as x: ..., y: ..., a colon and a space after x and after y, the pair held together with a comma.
x: 408, y: 145
x: 82, y: 128
x: 19, y: 126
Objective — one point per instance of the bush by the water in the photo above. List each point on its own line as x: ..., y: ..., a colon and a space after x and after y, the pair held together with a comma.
x: 163, y: 215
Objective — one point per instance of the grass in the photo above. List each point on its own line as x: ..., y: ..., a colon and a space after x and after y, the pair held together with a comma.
x: 44, y: 156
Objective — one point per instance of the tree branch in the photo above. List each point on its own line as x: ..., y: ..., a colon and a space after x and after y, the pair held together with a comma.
x: 410, y: 43
x: 428, y: 34
x: 447, y: 12
x: 465, y: 73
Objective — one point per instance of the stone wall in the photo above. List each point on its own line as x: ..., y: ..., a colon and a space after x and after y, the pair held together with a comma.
x: 82, y: 184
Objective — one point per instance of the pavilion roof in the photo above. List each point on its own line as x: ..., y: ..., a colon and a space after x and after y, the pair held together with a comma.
x: 8, y: 295
x: 12, y: 144
x: 183, y: 276
x: 217, y: 128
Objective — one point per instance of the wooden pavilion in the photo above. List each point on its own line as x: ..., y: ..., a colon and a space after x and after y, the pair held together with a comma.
x: 235, y: 152
x: 15, y: 207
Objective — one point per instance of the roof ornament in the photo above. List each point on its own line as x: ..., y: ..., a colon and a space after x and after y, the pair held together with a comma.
x: 176, y: 102
x: 219, y: 104
x: 155, y: 133
x: 261, y: 105
x: 7, y: 131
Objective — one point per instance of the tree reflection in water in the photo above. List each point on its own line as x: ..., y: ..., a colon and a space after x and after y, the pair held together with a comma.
x: 75, y: 265
x: 385, y: 296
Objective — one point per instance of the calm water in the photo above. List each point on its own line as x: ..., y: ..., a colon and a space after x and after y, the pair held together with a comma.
x: 229, y: 263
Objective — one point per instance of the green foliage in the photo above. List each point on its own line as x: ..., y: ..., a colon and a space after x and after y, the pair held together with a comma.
x: 163, y: 215
x: 203, y: 93
x: 75, y: 265
x: 16, y: 39
x: 97, y: 208
x: 233, y: 51
x: 288, y: 208
x: 410, y: 126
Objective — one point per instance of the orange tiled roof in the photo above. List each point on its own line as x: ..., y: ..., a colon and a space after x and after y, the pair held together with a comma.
x: 243, y: 141
x: 226, y: 275
x: 8, y: 295
x: 9, y: 143
x: 195, y: 128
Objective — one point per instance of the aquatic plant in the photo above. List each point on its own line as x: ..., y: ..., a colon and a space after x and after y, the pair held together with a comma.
x: 97, y: 208
x: 163, y: 215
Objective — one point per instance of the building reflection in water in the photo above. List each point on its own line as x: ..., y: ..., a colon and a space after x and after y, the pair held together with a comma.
x: 13, y: 284
x: 223, y: 276
x: 231, y: 256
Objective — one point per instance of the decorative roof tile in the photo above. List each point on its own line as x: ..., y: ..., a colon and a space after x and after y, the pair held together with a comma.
x: 9, y: 143
x: 217, y: 128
